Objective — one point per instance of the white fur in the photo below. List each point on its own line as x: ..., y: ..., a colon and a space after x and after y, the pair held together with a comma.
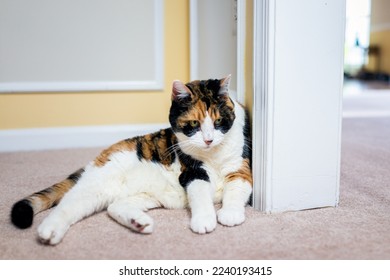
x: 127, y: 187
x: 123, y: 177
x: 129, y: 212
x: 236, y: 194
x: 200, y: 198
x: 207, y: 128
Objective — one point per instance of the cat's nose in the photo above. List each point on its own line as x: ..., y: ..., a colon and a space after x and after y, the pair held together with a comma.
x: 208, y: 142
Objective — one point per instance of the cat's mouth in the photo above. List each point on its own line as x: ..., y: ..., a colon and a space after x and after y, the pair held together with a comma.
x: 208, y: 143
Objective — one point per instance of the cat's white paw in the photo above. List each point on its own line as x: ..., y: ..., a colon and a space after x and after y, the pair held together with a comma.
x: 203, y: 223
x: 135, y: 219
x: 231, y: 216
x: 142, y: 224
x: 52, y: 231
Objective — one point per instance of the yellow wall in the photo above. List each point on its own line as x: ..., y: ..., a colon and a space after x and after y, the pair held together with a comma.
x: 249, y: 57
x: 381, y: 39
x: 29, y: 110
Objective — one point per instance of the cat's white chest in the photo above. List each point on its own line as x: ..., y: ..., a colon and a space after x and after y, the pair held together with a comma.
x: 218, y: 169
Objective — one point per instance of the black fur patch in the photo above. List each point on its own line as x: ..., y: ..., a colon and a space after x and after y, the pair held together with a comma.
x: 76, y: 175
x: 189, y: 131
x: 22, y: 214
x: 247, y: 150
x: 192, y: 170
x: 177, y: 109
x: 228, y: 117
x: 140, y: 154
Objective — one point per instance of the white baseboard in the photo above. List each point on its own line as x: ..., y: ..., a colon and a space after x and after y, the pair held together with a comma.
x: 70, y: 137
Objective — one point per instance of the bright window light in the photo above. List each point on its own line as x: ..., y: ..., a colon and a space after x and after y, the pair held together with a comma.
x: 357, y: 37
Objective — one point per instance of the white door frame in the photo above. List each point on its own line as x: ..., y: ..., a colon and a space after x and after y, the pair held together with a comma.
x: 263, y: 56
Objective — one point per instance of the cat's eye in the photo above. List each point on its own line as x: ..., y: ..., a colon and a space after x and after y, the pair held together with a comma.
x: 218, y: 121
x: 194, y: 123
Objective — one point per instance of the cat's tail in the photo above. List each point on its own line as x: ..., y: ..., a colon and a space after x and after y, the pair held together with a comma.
x: 24, y: 210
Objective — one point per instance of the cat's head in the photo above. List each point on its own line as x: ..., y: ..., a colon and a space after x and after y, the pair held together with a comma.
x: 201, y: 112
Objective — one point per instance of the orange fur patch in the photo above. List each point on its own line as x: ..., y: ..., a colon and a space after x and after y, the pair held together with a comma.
x: 125, y: 145
x: 51, y: 196
x: 198, y: 113
x: 154, y: 146
x: 243, y: 173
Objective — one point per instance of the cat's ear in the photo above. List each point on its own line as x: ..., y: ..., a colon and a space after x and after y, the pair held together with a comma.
x: 180, y: 91
x: 224, y: 83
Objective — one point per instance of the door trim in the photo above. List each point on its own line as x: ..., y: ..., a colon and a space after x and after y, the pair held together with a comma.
x: 263, y: 66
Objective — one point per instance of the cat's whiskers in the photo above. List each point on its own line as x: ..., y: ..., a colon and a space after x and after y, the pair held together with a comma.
x: 175, y: 149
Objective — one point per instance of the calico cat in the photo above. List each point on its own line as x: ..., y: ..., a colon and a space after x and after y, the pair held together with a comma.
x: 202, y: 159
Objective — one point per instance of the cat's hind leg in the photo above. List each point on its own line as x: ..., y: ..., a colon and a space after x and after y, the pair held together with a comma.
x: 130, y: 212
x: 54, y: 227
x: 73, y: 208
x: 96, y: 189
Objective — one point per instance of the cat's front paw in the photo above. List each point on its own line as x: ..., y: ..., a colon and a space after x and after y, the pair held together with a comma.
x: 203, y: 223
x: 231, y: 216
x: 51, y: 231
